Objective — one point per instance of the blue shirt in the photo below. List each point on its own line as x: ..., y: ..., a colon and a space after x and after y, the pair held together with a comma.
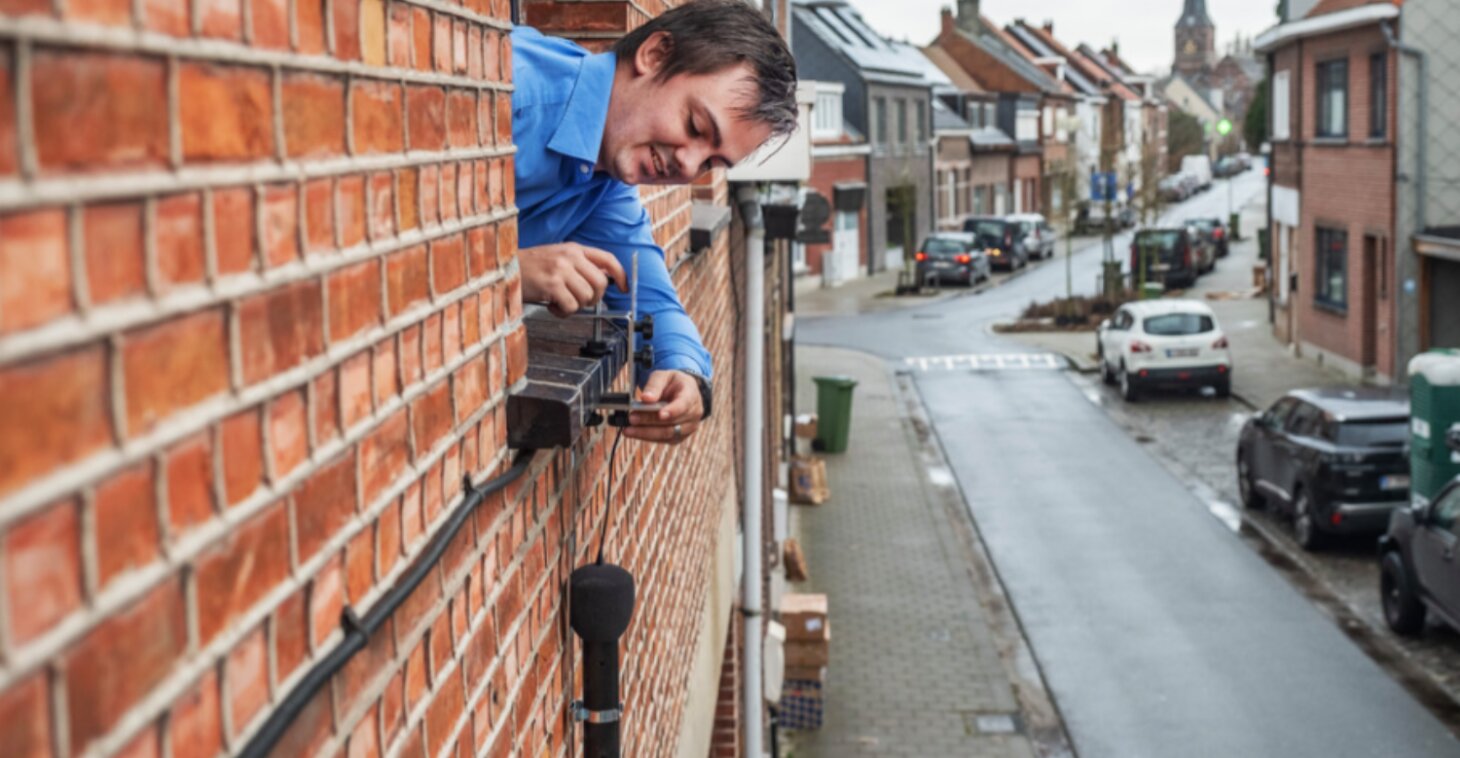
x: 559, y: 108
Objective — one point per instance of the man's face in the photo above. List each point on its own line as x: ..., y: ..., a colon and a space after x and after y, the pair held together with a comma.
x: 669, y: 132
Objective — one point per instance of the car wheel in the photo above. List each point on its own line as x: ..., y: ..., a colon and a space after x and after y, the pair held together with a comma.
x: 1107, y: 374
x: 1404, y: 612
x: 1305, y: 523
x: 1250, y: 499
x: 1128, y: 391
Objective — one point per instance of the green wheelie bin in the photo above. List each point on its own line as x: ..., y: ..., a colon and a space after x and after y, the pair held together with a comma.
x: 833, y: 412
x: 1434, y: 407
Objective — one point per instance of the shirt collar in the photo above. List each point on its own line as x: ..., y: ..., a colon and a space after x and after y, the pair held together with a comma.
x: 580, y: 133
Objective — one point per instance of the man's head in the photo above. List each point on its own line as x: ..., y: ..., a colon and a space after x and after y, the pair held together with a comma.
x: 701, y: 86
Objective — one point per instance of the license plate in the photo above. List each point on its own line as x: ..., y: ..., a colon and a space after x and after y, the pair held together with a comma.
x: 942, y: 264
x: 1185, y: 352
x: 1394, y: 482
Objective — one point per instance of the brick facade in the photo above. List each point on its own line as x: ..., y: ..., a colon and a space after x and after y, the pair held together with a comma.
x: 826, y: 173
x: 259, y: 312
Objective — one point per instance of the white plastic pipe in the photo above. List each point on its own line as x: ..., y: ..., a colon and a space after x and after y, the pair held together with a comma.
x: 750, y: 515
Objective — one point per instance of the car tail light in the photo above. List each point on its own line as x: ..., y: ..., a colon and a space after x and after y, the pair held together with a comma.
x: 1221, y: 369
x: 1139, y: 347
x: 1337, y: 518
x: 1220, y: 344
x: 963, y: 258
x: 922, y: 256
x: 1218, y: 234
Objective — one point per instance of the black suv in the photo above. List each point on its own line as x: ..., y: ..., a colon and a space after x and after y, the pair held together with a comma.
x: 1170, y: 254
x: 1215, y: 232
x: 1417, y: 561
x: 1336, y: 460
x: 1000, y: 241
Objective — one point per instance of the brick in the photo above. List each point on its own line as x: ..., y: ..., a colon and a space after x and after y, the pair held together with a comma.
x: 492, y: 56
x: 441, y: 43
x: 364, y: 740
x: 448, y: 191
x: 247, y: 673
x: 410, y: 356
x: 326, y: 408
x: 431, y: 342
x: 105, y: 12
x: 347, y: 29
x: 25, y: 8
x: 458, y: 47
x: 288, y: 433
x: 166, y: 16
x: 354, y: 300
x: 392, y: 707
x: 178, y: 228
x: 448, y: 264
x: 359, y: 565
x: 326, y: 601
x: 43, y: 570
x: 225, y: 112
x: 355, y: 388
x: 416, y: 675
x: 127, y: 531
x: 376, y: 110
x: 291, y: 634
x: 372, y: 32
x: 387, y: 527
x: 96, y: 110
x: 464, y: 195
x: 195, y: 729
x: 426, y: 114
x: 112, y: 235
x: 383, y: 456
x: 504, y: 119
x: 172, y: 366
x: 382, y: 205
x: 251, y: 561
x: 35, y: 269
x: 144, y: 745
x: 281, y: 225
x: 461, y: 109
x: 121, y: 660
x: 438, y: 646
x: 516, y: 354
x: 221, y: 19
x: 421, y: 29
x: 431, y: 417
x: 408, y: 190
x: 270, y: 23
x: 351, y: 209
x: 56, y: 411
x: 398, y: 36
x: 471, y: 321
x: 233, y: 229
x: 309, y: 25
x: 9, y: 153
x: 280, y: 329
x: 474, y: 52
x: 443, y: 713
x: 25, y: 716
x: 451, y: 332
x: 319, y: 215
x: 324, y: 504
x: 481, y: 250
x: 190, y: 482
x: 470, y: 384
x: 507, y: 245
x: 314, y: 115
x: 430, y: 194
x: 385, y: 371
x: 243, y: 461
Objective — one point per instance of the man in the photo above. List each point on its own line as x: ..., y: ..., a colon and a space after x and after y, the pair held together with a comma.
x: 699, y: 87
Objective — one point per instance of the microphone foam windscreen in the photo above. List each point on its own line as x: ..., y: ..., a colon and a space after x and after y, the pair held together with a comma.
x: 602, y: 597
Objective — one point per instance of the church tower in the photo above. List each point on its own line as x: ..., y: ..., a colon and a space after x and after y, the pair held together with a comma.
x: 1195, y: 41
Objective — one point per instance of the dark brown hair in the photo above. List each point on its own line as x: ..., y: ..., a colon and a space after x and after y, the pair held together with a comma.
x: 706, y: 36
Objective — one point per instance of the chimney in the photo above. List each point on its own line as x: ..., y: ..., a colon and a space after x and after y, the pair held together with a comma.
x: 947, y: 19
x: 968, y: 16
x: 1049, y: 27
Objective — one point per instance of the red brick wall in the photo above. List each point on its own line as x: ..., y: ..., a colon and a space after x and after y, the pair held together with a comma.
x: 825, y: 174
x: 1348, y: 187
x: 259, y: 310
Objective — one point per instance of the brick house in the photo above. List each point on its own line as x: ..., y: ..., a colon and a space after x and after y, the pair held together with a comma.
x: 260, y: 314
x: 974, y: 165
x: 839, y: 155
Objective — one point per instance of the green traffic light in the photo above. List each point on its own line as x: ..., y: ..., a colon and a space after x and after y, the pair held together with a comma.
x: 1224, y: 127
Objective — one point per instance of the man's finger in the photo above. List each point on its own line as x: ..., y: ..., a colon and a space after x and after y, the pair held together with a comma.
x: 594, y: 276
x: 608, y: 264
x: 581, y: 289
x: 664, y: 434
x: 654, y: 388
x: 681, y: 398
x: 563, y: 298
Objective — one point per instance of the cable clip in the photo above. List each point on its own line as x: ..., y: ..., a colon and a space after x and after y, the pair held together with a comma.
x: 581, y: 713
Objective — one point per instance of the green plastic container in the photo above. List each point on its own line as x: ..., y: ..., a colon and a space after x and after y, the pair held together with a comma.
x: 1434, y: 406
x: 833, y: 412
x: 1153, y: 291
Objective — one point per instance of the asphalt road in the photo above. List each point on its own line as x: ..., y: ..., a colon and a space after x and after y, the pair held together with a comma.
x: 1159, y: 633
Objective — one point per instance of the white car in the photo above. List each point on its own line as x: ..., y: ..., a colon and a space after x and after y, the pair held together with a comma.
x: 1038, y: 235
x: 1164, y: 344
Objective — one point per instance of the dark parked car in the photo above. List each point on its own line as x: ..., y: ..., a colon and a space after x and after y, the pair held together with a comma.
x: 1172, y: 255
x: 1417, y: 568
x: 1336, y: 460
x: 1000, y: 241
x: 952, y: 256
x: 1215, y: 232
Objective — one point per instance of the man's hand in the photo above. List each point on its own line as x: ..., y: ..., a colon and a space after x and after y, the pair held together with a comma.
x: 680, y: 416
x: 568, y: 277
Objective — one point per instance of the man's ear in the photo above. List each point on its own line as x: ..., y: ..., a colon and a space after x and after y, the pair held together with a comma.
x: 651, y: 56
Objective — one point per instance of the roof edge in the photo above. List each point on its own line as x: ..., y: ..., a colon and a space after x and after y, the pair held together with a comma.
x: 1337, y: 21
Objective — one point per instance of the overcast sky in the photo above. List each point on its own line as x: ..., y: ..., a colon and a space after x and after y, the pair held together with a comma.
x: 1143, y: 28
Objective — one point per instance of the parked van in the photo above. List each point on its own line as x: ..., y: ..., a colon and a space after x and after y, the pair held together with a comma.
x: 1199, y: 166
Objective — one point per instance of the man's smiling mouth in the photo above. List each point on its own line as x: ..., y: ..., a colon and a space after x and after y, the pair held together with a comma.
x: 658, y: 163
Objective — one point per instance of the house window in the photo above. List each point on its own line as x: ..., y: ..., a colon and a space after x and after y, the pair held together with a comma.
x: 879, y: 107
x: 980, y: 200
x: 827, y: 123
x: 1378, y: 95
x: 1333, y: 99
x: 1280, y: 111
x: 922, y: 133
x: 902, y: 122
x: 1331, y: 288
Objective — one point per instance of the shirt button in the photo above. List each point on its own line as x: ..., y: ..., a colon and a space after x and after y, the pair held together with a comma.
x: 584, y: 168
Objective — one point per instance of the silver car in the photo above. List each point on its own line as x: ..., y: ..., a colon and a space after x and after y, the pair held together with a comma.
x: 1038, y: 235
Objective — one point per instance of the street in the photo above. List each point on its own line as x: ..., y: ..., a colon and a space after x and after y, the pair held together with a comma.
x: 1158, y: 629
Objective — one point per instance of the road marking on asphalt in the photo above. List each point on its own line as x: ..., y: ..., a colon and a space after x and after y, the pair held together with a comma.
x: 988, y: 362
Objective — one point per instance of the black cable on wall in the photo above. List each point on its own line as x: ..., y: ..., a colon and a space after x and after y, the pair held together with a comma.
x: 358, y: 629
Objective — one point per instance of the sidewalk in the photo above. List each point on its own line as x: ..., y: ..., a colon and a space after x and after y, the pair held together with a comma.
x: 920, y: 647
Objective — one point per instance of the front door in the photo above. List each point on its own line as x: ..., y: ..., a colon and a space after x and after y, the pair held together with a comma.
x: 846, y: 243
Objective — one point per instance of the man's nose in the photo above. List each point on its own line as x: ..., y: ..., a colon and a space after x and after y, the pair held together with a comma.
x: 688, y: 159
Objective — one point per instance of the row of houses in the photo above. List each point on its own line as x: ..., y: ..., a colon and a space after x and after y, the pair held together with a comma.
x: 1364, y: 193
x: 985, y: 119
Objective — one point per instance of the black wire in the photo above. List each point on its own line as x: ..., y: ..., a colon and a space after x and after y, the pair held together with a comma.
x: 608, y: 499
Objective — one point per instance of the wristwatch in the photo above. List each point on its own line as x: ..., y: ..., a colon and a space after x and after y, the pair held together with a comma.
x: 706, y: 392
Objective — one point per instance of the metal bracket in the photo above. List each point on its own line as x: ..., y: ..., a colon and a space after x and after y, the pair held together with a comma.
x: 581, y: 713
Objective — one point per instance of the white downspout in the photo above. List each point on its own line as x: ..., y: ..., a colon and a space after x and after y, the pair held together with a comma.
x: 750, y: 518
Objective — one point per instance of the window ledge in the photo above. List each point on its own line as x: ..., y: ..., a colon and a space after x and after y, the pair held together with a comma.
x: 562, y: 389
x: 708, y: 223
x: 1329, y: 142
x: 1330, y: 308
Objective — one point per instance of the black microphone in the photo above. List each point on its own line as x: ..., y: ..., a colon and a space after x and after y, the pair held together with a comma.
x: 602, y: 603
